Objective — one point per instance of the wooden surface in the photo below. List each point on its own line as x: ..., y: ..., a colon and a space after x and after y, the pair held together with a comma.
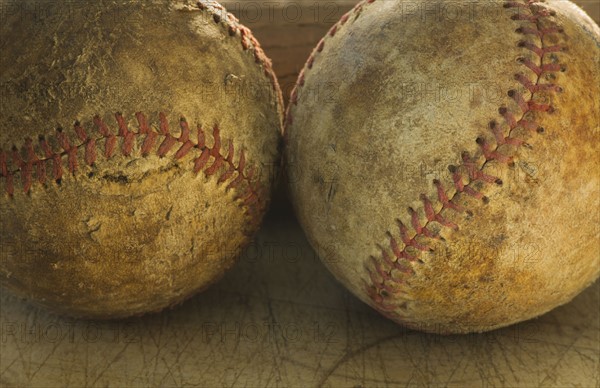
x: 280, y: 319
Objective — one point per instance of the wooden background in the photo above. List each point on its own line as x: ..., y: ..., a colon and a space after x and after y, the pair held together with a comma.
x: 280, y: 319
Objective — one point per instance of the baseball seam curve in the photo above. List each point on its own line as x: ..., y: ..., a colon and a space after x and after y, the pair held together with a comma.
x: 68, y: 154
x: 405, y: 249
x: 250, y: 197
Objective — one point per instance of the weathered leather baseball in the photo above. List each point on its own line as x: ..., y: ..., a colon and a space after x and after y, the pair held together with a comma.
x: 444, y: 158
x: 136, y: 141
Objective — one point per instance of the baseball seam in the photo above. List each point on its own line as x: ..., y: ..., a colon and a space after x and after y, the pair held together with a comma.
x: 226, y: 19
x: 26, y: 162
x: 14, y: 163
x: 403, y: 251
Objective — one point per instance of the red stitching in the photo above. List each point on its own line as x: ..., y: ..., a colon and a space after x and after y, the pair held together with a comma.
x: 382, y: 284
x: 333, y: 30
x: 378, y: 291
x: 248, y: 41
x: 356, y: 10
x: 321, y: 45
x: 32, y: 164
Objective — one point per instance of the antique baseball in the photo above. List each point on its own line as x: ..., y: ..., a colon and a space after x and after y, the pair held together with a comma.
x: 136, y: 141
x: 444, y: 158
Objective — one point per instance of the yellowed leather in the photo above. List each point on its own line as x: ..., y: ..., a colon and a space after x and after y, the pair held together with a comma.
x: 141, y: 230
x: 395, y: 94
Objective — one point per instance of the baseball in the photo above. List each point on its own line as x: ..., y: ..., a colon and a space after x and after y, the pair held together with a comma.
x: 136, y: 141
x: 444, y: 158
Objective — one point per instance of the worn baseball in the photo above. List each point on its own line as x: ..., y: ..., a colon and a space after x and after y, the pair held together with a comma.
x: 444, y: 158
x: 136, y: 142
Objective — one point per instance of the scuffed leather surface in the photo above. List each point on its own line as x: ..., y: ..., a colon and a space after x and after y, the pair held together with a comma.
x: 392, y: 100
x: 138, y: 233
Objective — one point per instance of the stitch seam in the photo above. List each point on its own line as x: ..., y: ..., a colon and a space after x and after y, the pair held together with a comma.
x: 248, y: 41
x: 250, y: 197
x: 403, y: 252
x: 32, y: 166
